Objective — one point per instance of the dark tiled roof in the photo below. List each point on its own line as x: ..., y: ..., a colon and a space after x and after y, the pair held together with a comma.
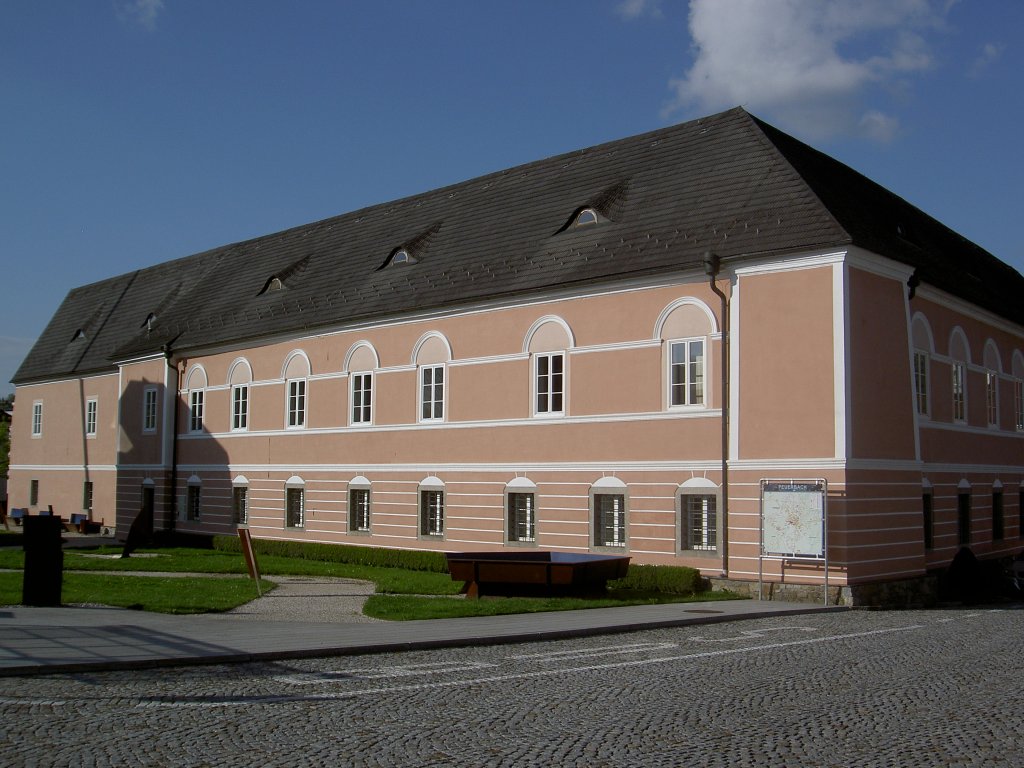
x: 727, y: 183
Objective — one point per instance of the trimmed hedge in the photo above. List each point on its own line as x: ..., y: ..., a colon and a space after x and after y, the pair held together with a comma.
x: 410, y: 560
x: 670, y: 579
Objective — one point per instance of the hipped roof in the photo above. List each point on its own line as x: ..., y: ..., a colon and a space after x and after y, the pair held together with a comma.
x: 728, y: 183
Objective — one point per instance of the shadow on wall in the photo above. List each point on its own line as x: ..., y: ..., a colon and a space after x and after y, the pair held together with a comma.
x: 154, y: 469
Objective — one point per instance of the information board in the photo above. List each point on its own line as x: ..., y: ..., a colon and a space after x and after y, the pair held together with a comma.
x: 793, y: 518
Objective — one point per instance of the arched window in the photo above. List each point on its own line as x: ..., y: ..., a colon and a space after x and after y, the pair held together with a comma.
x: 196, y: 386
x: 685, y: 327
x: 359, y: 505
x: 960, y: 355
x: 923, y: 348
x: 430, y: 356
x: 193, y: 499
x: 521, y: 511
x: 548, y: 342
x: 240, y: 500
x: 431, y: 507
x: 360, y: 362
x: 296, y: 373
x: 699, y: 500
x: 993, y: 367
x: 295, y: 502
x: 585, y: 217
x: 608, y: 506
x: 239, y: 378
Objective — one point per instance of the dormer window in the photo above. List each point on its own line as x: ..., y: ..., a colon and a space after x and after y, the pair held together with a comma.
x: 585, y: 218
x: 402, y: 256
x: 275, y: 284
x: 79, y: 334
x: 150, y: 319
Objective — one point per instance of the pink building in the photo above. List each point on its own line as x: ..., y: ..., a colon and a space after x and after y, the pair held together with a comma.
x: 607, y: 350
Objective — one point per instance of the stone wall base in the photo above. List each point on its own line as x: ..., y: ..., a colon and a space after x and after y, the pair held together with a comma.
x: 920, y: 592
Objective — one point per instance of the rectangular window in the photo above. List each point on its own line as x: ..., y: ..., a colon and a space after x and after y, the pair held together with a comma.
x: 609, y: 520
x: 959, y: 411
x: 87, y: 495
x: 432, y: 392
x: 240, y: 504
x: 195, y: 411
x: 362, y: 398
x: 928, y: 516
x: 294, y: 507
x: 240, y: 408
x: 193, y: 502
x: 550, y: 375
x: 522, y: 517
x: 359, y: 509
x: 432, y: 513
x: 992, y: 398
x: 700, y: 522
x: 1020, y: 512
x: 921, y: 383
x: 686, y: 370
x: 1018, y: 402
x: 90, y: 418
x: 963, y: 518
x: 33, y: 493
x: 998, y: 520
x: 149, y: 410
x: 297, y: 403
x: 37, y: 419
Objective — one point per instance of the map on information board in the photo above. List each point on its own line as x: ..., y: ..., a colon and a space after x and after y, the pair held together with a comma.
x: 793, y: 518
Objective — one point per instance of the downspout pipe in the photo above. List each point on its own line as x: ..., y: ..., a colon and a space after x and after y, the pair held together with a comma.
x: 712, y: 268
x: 172, y: 522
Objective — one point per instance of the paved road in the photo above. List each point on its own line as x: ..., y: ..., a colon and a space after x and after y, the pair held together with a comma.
x: 927, y: 688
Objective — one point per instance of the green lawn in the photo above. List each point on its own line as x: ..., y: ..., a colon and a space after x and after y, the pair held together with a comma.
x: 401, y: 594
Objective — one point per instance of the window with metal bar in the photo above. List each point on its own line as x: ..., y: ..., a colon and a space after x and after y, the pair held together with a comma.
x: 700, y: 522
x: 432, y: 513
x: 294, y: 503
x: 522, y: 522
x: 240, y: 504
x: 609, y: 520
x: 359, y: 509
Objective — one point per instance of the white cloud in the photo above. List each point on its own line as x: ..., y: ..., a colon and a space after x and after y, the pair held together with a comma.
x: 989, y: 53
x: 632, y: 9
x: 810, y: 64
x: 142, y: 12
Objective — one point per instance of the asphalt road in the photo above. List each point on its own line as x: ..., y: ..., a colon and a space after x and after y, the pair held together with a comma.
x: 910, y: 688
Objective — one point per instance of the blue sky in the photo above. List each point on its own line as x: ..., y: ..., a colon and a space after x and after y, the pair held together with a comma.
x: 136, y: 131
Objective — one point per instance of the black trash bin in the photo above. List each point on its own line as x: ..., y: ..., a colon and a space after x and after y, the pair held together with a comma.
x: 44, y: 561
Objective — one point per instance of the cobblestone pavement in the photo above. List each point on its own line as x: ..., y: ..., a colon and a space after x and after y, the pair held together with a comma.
x: 911, y: 688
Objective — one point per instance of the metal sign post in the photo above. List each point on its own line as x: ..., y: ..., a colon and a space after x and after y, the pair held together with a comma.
x: 250, y: 558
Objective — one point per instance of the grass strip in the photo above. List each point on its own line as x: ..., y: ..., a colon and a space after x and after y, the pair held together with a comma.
x: 160, y: 594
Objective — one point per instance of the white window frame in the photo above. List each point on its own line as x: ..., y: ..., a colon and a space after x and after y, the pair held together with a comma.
x: 359, y: 511
x: 433, y: 393
x: 698, y: 535
x: 1018, y: 398
x: 240, y: 408
x: 544, y: 384
x: 196, y: 405
x: 688, y: 368
x: 290, y: 493
x: 240, y: 515
x: 150, y: 409
x: 992, y: 398
x: 431, y: 517
x: 91, y: 412
x: 296, y: 403
x: 512, y: 521
x: 619, y: 517
x: 361, y: 398
x: 37, y: 418
x: 922, y: 395
x: 959, y: 384
x: 194, y: 501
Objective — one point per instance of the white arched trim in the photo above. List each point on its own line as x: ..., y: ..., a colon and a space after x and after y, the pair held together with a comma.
x: 244, y: 371
x: 698, y: 482
x: 997, y: 485
x: 359, y: 481
x: 355, y: 348
x: 196, y: 378
x: 296, y: 353
x: 194, y: 480
x: 240, y: 480
x: 432, y: 481
x: 521, y: 484
x: 963, y: 485
x: 1018, y: 364
x: 609, y: 482
x: 992, y: 359
x: 926, y: 485
x: 424, y: 339
x: 544, y: 321
x: 688, y: 300
x: 919, y: 318
x: 956, y: 333
x: 148, y: 483
x: 295, y: 482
